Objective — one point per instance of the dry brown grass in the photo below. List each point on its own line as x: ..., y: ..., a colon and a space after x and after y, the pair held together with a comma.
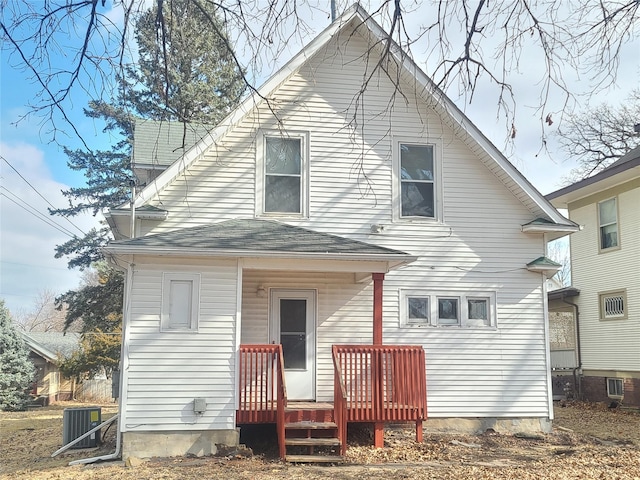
x: 589, y: 441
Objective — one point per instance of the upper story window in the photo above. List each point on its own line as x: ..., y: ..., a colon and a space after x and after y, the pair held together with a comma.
x: 417, y: 184
x: 282, y: 178
x: 608, y: 224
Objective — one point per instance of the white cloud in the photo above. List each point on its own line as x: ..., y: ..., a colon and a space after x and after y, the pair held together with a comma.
x: 27, y: 243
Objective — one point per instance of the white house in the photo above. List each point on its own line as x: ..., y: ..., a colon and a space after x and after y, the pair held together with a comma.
x: 316, y: 216
x: 605, y: 270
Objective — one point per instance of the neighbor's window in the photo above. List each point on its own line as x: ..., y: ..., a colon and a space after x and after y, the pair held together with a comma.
x: 446, y: 309
x: 608, y: 222
x: 613, y: 305
x: 180, y: 301
x: 281, y: 185
x: 615, y: 387
x: 417, y: 181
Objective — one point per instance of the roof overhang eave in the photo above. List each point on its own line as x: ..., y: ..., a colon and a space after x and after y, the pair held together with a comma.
x: 394, y: 260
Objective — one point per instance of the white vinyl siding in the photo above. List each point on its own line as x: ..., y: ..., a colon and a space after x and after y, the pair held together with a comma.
x: 477, y: 245
x: 180, y: 302
x: 168, y: 369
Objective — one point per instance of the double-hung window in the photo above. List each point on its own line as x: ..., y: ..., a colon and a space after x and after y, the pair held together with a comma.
x: 417, y: 181
x: 608, y: 224
x: 282, y: 179
x: 417, y: 186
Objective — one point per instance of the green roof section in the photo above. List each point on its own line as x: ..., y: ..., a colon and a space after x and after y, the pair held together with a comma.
x: 161, y: 143
x: 257, y: 235
x: 543, y: 262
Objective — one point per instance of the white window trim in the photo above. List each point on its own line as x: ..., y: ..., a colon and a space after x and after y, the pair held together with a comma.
x: 260, y: 172
x: 404, y: 308
x: 436, y: 143
x: 165, y: 321
x: 463, y: 308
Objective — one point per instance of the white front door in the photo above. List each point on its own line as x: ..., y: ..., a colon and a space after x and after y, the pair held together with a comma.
x: 293, y: 324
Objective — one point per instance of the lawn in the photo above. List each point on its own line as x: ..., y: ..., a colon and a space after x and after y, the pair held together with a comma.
x: 588, y: 441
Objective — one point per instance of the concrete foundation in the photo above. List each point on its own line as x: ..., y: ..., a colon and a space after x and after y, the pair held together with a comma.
x: 176, y: 444
x: 474, y: 426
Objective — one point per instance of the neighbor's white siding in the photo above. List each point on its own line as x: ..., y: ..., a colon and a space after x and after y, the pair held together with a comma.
x: 608, y: 344
x: 479, y: 246
x: 167, y: 370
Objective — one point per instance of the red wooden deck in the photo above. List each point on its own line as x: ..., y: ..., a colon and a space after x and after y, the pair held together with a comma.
x: 372, y: 383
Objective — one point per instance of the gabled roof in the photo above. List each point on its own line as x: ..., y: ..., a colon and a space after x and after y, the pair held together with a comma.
x: 357, y: 18
x: 49, y: 344
x: 626, y: 168
x: 256, y: 238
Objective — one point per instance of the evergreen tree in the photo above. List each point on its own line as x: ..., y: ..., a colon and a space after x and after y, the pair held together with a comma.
x: 185, y: 73
x: 16, y: 370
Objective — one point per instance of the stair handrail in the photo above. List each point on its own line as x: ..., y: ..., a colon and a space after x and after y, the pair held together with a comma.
x: 339, y: 401
x: 282, y: 402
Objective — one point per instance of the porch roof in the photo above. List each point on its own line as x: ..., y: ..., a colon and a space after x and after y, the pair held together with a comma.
x: 256, y: 237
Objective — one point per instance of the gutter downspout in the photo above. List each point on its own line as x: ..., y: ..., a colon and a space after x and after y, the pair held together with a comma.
x: 577, y: 380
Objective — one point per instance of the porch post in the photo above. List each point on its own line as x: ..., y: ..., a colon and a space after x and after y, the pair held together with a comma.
x: 378, y: 278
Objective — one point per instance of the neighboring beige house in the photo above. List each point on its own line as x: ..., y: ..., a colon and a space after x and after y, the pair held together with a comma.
x: 605, y: 272
x: 359, y: 249
x: 50, y: 385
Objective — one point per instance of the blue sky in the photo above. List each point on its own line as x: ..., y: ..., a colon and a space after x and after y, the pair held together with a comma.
x: 27, y: 265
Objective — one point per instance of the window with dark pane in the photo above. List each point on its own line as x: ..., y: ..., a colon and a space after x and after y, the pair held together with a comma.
x: 448, y: 311
x: 608, y: 221
x: 418, y: 309
x: 417, y: 177
x: 283, y: 175
x: 293, y: 332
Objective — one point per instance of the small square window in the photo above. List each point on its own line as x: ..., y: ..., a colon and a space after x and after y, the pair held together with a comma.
x: 418, y: 310
x: 613, y: 305
x: 615, y: 387
x: 478, y: 310
x: 448, y: 311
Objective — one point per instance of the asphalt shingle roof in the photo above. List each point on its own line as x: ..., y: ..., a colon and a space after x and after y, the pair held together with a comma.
x: 258, y: 236
x: 55, y: 342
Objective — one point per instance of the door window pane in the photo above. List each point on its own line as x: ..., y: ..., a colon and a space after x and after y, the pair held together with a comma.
x: 293, y: 332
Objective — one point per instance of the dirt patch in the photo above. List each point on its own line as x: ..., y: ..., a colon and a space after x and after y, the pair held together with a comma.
x: 588, y: 441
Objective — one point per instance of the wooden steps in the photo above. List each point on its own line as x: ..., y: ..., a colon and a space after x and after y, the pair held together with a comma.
x: 311, y: 435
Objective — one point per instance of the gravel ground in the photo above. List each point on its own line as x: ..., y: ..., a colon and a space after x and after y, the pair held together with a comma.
x: 588, y: 442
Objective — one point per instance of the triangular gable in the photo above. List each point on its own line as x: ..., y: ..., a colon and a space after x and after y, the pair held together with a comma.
x: 491, y: 156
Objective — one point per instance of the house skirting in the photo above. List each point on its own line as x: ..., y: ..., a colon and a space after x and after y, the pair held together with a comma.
x: 594, y: 386
x: 176, y: 444
x: 474, y: 426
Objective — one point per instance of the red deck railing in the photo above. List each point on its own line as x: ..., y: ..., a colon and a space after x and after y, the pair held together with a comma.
x: 262, y: 391
x: 382, y: 383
